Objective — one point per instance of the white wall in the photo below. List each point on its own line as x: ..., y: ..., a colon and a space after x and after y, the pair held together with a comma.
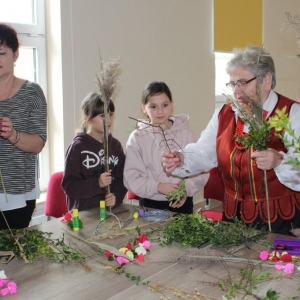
x: 157, y: 40
x: 282, y: 45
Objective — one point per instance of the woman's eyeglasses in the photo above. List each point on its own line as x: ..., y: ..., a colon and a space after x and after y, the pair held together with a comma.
x: 240, y: 83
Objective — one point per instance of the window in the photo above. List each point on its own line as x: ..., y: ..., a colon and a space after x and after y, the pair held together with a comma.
x: 221, y: 77
x: 28, y: 18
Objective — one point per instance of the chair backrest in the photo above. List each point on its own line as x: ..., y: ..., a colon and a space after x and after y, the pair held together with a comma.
x: 212, y: 214
x: 131, y: 196
x: 214, y: 188
x: 56, y: 202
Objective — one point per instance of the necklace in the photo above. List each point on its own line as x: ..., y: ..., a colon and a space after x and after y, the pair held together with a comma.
x: 7, y: 97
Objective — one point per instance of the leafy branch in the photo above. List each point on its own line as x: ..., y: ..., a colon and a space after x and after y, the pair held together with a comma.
x: 281, y: 122
x: 37, y: 243
x: 177, y: 194
x: 222, y: 234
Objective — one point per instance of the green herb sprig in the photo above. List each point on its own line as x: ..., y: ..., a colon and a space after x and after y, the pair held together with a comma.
x: 280, y: 122
x: 258, y: 138
x: 177, y: 194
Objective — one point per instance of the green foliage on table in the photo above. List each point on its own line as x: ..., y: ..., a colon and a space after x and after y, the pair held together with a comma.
x: 195, y: 230
x: 188, y: 230
x: 247, y: 283
x: 177, y: 194
x: 236, y: 233
x: 37, y: 243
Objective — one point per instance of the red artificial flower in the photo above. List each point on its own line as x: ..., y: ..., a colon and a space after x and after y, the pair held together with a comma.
x: 286, y: 258
x: 140, y: 257
x: 129, y: 246
x: 68, y: 216
x: 275, y: 259
x: 142, y: 238
x: 108, y: 254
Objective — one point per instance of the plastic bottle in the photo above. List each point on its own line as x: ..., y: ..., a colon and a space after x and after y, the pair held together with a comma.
x: 75, y: 219
x: 102, y: 210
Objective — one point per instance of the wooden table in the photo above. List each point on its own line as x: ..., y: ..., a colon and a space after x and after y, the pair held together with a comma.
x: 163, y: 266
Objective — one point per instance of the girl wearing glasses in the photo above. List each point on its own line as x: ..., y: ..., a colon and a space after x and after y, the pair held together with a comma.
x: 252, y: 73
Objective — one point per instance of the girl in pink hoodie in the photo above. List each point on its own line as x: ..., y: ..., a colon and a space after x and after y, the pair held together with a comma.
x: 143, y: 172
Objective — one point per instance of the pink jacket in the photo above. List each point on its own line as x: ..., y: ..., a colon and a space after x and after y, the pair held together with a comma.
x: 143, y: 170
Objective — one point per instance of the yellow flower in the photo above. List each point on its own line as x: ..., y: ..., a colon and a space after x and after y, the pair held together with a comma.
x: 280, y: 120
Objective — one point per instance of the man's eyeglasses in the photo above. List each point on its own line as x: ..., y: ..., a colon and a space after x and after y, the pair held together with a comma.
x: 240, y: 83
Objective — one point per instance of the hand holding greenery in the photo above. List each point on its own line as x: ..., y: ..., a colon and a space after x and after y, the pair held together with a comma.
x: 177, y: 194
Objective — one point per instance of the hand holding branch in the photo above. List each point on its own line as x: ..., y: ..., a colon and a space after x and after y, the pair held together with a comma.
x: 171, y: 160
x: 267, y: 159
x: 105, y: 179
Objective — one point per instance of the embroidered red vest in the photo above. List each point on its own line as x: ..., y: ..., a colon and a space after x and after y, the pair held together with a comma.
x: 244, y: 181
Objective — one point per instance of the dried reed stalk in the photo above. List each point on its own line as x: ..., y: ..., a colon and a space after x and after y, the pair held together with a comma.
x: 107, y: 83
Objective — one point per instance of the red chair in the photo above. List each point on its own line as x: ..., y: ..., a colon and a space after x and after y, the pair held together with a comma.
x: 131, y: 196
x: 214, y: 189
x: 212, y: 214
x: 56, y: 202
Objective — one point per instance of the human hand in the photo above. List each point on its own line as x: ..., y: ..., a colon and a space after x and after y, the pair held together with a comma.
x: 165, y: 188
x: 110, y: 200
x: 7, y: 130
x: 171, y: 160
x: 105, y: 179
x: 267, y: 159
x: 179, y: 203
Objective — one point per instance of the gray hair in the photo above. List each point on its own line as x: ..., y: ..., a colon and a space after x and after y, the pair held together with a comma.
x: 254, y: 59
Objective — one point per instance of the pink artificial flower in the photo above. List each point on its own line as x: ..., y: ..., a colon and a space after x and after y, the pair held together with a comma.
x: 122, y: 260
x: 264, y: 255
x: 11, y: 289
x: 279, y: 266
x: 146, y: 244
x: 289, y: 268
x: 140, y: 257
x: 3, y: 281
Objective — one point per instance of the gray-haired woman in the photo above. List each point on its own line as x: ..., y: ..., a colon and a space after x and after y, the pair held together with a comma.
x: 250, y: 70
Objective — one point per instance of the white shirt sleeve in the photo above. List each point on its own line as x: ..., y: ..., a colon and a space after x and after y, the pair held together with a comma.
x: 287, y: 173
x: 201, y: 156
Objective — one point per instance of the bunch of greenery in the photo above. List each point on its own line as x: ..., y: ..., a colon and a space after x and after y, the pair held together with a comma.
x: 188, y: 230
x: 195, y: 230
x: 235, y: 233
x: 37, y: 243
x: 282, y: 122
x: 252, y: 114
x: 177, y: 194
x: 258, y: 138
